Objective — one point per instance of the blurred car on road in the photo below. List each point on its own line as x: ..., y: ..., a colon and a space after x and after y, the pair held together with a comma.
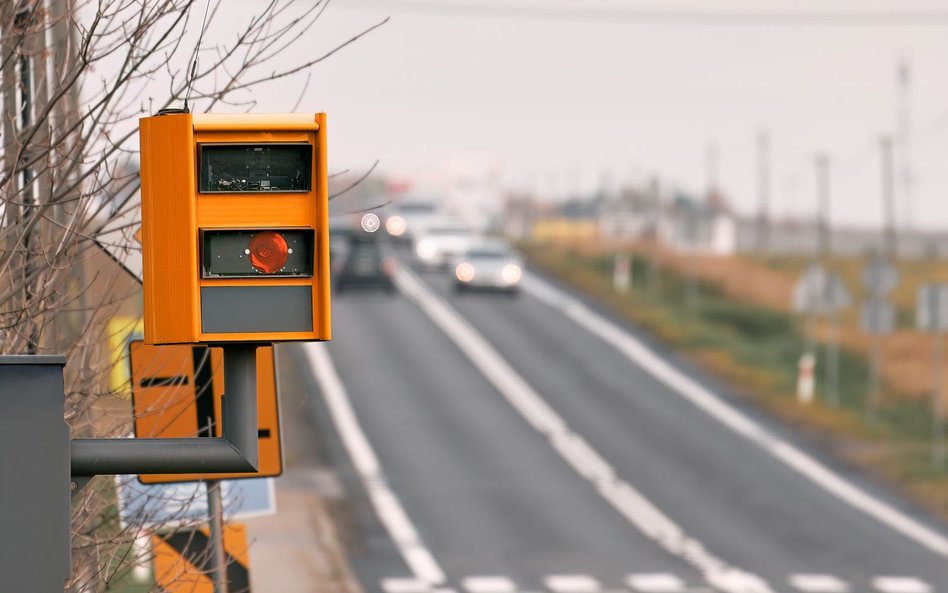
x: 410, y: 217
x: 365, y: 265
x: 340, y: 232
x: 442, y: 242
x: 489, y: 264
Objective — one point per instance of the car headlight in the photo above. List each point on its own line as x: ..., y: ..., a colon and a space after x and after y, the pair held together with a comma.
x: 426, y: 249
x: 464, y: 272
x: 395, y: 225
x: 511, y: 273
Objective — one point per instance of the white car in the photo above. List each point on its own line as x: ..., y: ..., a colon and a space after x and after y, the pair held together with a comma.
x: 442, y: 242
x: 489, y: 264
x: 409, y: 218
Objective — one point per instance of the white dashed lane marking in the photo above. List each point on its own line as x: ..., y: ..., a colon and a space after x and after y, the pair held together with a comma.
x: 819, y: 583
x: 572, y: 583
x: 900, y: 585
x: 488, y: 584
x: 405, y: 586
x: 658, y: 582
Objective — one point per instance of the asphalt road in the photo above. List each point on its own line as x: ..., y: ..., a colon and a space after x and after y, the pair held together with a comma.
x: 661, y: 496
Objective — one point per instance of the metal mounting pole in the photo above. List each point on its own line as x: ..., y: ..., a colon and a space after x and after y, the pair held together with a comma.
x: 938, y: 403
x: 239, y: 413
x: 234, y: 452
x: 218, y: 557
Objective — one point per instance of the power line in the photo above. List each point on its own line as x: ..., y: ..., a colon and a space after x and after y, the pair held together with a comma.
x: 873, y: 18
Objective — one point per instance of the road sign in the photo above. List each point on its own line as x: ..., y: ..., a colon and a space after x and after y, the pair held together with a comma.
x: 235, y: 233
x: 177, y: 389
x: 877, y: 317
x: 879, y: 276
x: 820, y: 291
x: 122, y: 331
x: 182, y: 560
x: 931, y: 307
x: 184, y: 504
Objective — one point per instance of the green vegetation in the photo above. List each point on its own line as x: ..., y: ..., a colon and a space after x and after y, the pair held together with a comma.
x: 757, y: 349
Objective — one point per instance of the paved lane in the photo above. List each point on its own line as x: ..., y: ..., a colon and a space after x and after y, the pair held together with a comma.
x: 487, y: 494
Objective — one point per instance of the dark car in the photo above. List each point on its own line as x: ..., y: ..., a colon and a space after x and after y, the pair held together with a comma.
x: 364, y: 265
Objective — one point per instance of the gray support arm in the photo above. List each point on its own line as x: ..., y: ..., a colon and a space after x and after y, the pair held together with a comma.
x: 234, y: 452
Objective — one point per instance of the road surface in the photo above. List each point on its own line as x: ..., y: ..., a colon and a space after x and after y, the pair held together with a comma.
x: 496, y: 444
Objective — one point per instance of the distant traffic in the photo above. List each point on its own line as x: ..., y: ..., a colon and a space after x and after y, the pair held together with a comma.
x: 419, y: 232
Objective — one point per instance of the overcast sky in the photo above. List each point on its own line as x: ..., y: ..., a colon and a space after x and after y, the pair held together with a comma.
x: 558, y: 101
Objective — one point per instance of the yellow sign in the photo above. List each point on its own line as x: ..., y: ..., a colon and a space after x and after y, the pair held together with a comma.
x: 182, y: 560
x: 122, y: 331
x: 177, y: 392
x: 235, y: 232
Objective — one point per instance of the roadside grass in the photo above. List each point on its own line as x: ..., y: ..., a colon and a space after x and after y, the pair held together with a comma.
x: 754, y: 344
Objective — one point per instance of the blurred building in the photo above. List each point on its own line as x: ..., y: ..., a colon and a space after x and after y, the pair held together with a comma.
x: 681, y: 222
x: 688, y: 224
x: 526, y: 217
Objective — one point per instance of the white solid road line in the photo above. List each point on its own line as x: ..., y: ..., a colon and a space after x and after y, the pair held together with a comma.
x: 717, y: 408
x: 488, y: 584
x: 900, y: 585
x: 818, y: 583
x: 638, y: 510
x: 659, y: 582
x: 387, y: 506
x: 572, y: 583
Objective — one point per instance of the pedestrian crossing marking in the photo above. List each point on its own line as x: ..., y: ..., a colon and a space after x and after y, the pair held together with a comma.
x: 900, y: 585
x: 488, y: 584
x: 658, y: 582
x: 654, y: 582
x: 819, y: 583
x: 405, y: 585
x: 572, y: 583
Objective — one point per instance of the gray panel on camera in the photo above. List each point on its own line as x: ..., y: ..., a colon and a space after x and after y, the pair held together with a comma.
x: 256, y: 309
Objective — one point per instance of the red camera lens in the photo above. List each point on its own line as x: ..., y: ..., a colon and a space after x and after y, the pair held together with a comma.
x: 268, y: 251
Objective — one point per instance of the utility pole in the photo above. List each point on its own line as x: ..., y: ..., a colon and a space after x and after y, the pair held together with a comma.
x: 880, y: 279
x: 823, y: 208
x: 938, y: 397
x: 763, y: 192
x: 700, y: 223
x: 824, y: 255
x: 654, y: 267
x: 711, y: 168
x: 890, y: 239
x: 605, y: 183
x: 906, y: 177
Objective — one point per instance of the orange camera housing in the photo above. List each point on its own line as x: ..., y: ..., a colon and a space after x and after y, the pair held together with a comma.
x: 235, y: 233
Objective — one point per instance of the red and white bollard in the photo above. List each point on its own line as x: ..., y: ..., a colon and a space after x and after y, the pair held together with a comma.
x: 622, y: 273
x: 805, y: 377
